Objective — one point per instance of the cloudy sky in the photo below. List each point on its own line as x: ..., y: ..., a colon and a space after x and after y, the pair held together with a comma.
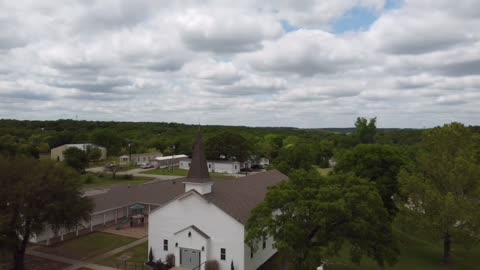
x: 302, y: 63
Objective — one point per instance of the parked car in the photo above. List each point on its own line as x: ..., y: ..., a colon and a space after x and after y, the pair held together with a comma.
x: 146, y: 166
x: 257, y: 167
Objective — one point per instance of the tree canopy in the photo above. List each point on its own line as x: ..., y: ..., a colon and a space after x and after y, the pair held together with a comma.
x: 33, y: 194
x: 76, y: 158
x: 365, y: 130
x: 442, y: 192
x: 312, y: 217
x: 228, y: 145
x: 378, y: 163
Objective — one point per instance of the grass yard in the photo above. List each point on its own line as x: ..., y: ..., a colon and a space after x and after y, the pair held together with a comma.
x: 138, y: 254
x: 417, y: 253
x: 94, y: 181
x: 87, y: 246
x: 180, y: 172
x: 324, y: 171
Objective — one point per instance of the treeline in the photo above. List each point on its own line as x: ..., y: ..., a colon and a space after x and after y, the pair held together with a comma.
x: 38, y: 137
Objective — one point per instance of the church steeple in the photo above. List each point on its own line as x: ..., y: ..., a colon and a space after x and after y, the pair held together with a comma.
x: 198, y: 167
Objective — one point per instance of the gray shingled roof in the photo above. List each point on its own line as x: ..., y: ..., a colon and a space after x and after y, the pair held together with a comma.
x: 237, y: 197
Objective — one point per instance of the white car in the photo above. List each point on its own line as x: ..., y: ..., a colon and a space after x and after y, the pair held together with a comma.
x: 146, y: 166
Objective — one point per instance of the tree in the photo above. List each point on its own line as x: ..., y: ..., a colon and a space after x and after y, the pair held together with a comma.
x: 113, y: 168
x: 378, y: 163
x: 76, y: 158
x: 231, y: 146
x: 365, y: 130
x: 441, y: 193
x: 311, y: 217
x: 295, y: 157
x: 45, y: 193
x: 108, y: 139
x: 93, y: 153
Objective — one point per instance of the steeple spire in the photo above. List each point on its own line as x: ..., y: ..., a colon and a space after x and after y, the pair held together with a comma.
x: 198, y: 167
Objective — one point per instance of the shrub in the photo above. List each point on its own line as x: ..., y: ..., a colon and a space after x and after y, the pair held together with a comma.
x: 127, y: 176
x: 101, y: 175
x: 212, y: 265
x: 89, y: 179
x: 170, y: 260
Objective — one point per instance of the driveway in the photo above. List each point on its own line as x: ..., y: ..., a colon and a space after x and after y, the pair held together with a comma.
x: 136, y: 173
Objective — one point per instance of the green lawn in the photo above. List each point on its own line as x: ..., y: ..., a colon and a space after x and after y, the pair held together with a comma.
x: 324, y: 171
x: 417, y: 253
x: 87, y: 246
x: 94, y: 181
x: 138, y: 254
x: 180, y: 172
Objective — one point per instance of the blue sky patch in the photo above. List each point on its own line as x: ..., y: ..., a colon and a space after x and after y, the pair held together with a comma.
x: 393, y: 4
x: 361, y: 18
x: 356, y: 19
x: 287, y: 27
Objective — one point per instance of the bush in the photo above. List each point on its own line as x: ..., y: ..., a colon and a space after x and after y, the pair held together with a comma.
x: 101, y: 175
x: 89, y: 179
x: 211, y: 265
x: 127, y: 176
x: 170, y: 260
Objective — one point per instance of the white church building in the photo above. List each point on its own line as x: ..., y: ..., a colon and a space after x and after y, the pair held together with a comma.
x: 197, y: 219
x: 207, y: 221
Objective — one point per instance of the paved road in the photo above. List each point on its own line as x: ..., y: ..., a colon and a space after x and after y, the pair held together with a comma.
x: 136, y: 173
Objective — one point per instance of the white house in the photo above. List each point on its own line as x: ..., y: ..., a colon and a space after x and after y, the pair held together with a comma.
x: 207, y: 221
x: 167, y: 161
x: 219, y: 166
x: 145, y: 158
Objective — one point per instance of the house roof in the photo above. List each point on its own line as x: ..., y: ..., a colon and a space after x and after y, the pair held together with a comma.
x: 170, y: 157
x: 237, y: 197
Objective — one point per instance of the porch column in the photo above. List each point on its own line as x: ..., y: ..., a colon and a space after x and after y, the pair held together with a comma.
x: 127, y: 211
x: 61, y: 235
x: 104, y: 219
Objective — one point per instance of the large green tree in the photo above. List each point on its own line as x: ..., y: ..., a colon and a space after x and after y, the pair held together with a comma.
x: 378, y: 163
x: 76, y: 158
x: 365, y: 129
x: 295, y: 157
x: 229, y: 145
x: 442, y: 192
x: 311, y: 217
x: 33, y: 194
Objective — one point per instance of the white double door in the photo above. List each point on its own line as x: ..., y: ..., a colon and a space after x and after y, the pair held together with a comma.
x: 189, y: 258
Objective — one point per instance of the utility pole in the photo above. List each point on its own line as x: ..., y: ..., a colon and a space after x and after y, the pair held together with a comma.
x: 129, y: 152
x: 173, y: 148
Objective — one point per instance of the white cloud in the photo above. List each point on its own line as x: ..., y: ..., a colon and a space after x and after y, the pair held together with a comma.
x: 213, y: 61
